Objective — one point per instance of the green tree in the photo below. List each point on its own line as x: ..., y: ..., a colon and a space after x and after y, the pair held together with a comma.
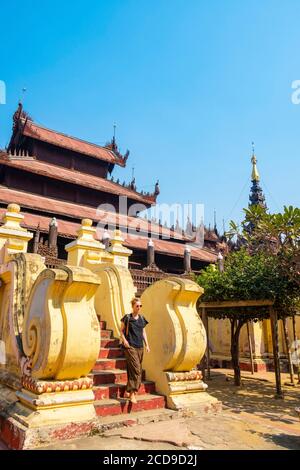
x: 264, y: 267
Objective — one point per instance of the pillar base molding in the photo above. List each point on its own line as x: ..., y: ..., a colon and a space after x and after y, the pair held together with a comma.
x: 186, y: 391
x: 29, y: 420
x: 201, y: 402
x: 263, y: 364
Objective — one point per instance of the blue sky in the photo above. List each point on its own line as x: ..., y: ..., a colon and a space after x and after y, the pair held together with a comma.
x: 189, y: 83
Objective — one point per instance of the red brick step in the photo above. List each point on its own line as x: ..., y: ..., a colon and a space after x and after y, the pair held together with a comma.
x: 111, y: 376
x: 120, y: 406
x: 106, y: 353
x: 110, y: 363
x: 106, y: 334
x: 116, y: 390
x: 110, y: 343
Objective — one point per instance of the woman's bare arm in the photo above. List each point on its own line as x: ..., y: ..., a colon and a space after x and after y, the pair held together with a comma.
x: 146, y: 340
x: 125, y: 342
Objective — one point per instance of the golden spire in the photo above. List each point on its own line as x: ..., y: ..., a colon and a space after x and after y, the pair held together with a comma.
x: 255, y: 175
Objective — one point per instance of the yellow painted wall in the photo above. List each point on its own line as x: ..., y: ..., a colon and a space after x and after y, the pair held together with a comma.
x: 260, y: 333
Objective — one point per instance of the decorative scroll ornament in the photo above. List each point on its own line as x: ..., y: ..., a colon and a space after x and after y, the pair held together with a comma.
x: 61, y: 331
x: 177, y: 340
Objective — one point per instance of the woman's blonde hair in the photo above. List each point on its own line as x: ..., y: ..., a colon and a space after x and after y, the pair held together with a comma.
x: 134, y: 301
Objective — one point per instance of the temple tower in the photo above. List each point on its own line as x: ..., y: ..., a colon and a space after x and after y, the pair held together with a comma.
x: 257, y: 197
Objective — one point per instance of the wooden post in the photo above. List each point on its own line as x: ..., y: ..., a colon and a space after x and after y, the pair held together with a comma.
x: 288, y: 349
x: 296, y: 347
x: 150, y: 254
x: 187, y: 260
x: 274, y: 327
x: 204, y: 359
x: 205, y: 321
x: 36, y: 240
x: 236, y: 326
x: 53, y: 231
x: 250, y: 349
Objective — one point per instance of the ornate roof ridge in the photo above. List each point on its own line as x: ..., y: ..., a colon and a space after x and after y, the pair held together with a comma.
x: 23, y: 124
x: 41, y: 168
x: 29, y: 122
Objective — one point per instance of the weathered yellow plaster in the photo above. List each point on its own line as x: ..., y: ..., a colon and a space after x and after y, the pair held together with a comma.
x: 120, y: 253
x: 177, y: 340
x: 13, y: 237
x: 61, y: 330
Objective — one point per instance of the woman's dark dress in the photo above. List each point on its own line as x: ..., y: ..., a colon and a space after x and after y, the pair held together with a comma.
x: 134, y: 354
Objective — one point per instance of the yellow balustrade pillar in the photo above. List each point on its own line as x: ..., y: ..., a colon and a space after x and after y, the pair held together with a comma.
x: 85, y: 250
x: 114, y: 295
x: 61, y: 341
x: 13, y: 237
x: 49, y: 338
x: 177, y: 340
x: 116, y: 289
x: 120, y: 253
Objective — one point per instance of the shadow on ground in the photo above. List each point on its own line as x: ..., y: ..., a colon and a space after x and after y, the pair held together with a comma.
x: 287, y: 441
x: 255, y: 397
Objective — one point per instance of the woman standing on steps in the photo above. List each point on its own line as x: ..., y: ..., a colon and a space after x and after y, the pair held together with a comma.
x: 134, y: 336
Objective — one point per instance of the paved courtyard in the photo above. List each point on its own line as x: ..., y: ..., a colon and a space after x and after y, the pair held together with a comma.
x: 251, y: 419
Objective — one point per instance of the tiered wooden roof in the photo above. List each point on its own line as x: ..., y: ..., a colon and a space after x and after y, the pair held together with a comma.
x: 65, y: 210
x: 25, y: 127
x: 59, y: 139
x: 57, y: 157
x: 38, y: 167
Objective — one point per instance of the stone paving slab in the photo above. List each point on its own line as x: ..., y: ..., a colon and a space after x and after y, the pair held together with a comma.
x: 223, y: 431
x: 176, y: 433
x: 112, y: 443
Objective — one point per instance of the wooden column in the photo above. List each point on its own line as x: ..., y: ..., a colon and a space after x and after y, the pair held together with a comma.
x: 150, y: 254
x: 288, y: 350
x: 250, y: 348
x: 36, y: 240
x: 274, y: 327
x: 296, y: 347
x: 53, y: 232
x: 187, y: 260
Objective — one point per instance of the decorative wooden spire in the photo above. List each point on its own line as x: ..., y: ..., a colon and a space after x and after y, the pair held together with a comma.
x: 255, y: 175
x: 257, y: 197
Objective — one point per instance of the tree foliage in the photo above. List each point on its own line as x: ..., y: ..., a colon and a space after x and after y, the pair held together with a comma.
x: 275, y: 234
x: 264, y: 265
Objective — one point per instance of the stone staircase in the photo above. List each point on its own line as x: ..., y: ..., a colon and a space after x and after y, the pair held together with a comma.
x: 110, y: 377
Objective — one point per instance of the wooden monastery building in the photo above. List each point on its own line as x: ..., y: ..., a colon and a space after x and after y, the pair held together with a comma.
x: 52, y: 175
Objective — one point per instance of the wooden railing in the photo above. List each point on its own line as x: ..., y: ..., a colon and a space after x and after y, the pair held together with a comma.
x: 141, y: 278
x: 53, y: 263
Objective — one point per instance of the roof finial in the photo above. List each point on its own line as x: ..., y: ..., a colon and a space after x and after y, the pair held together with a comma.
x: 113, y: 142
x: 23, y: 91
x: 132, y: 184
x: 255, y: 175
